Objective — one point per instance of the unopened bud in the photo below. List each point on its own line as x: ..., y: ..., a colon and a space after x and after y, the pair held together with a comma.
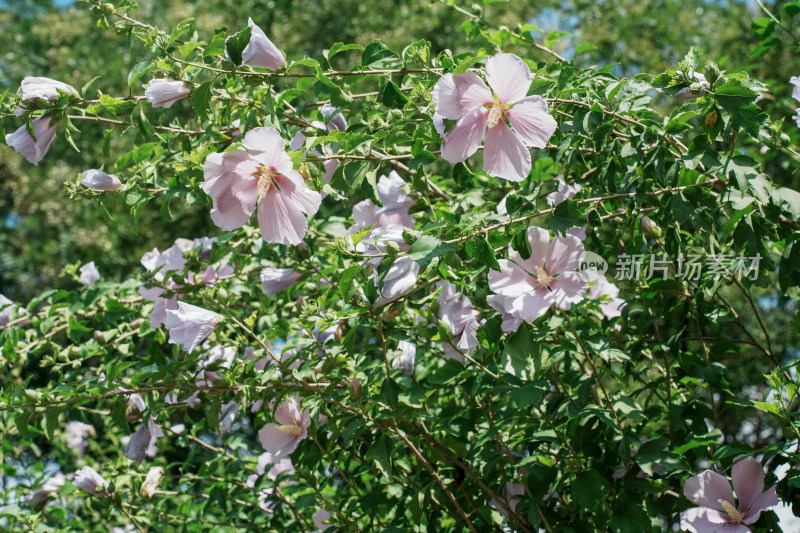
x: 711, y: 72
x: 303, y: 250
x: 392, y: 248
x: 32, y: 395
x: 109, y: 8
x: 409, y: 237
x: 650, y: 227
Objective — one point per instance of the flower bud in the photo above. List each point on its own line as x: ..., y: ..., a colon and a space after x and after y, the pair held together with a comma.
x: 163, y: 93
x: 392, y: 248
x: 650, y: 227
x: 32, y: 395
x: 711, y: 72
x: 409, y: 237
x: 100, y: 181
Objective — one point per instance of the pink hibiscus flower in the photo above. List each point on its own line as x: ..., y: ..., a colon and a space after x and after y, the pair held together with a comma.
x: 479, y: 112
x: 263, y: 175
x: 457, y: 311
x: 282, y: 438
x: 526, y: 288
x: 717, y: 512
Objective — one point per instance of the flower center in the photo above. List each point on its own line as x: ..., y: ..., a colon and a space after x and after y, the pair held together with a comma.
x: 495, y: 116
x: 265, y: 181
x: 543, y: 277
x: 291, y: 429
x: 732, y: 511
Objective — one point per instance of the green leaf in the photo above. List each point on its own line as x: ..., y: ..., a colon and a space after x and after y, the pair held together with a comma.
x: 485, y: 254
x: 737, y: 99
x: 236, y: 44
x: 346, y: 286
x: 51, y: 421
x: 586, y: 47
x: 391, y: 96
x: 427, y: 248
x: 567, y: 215
x: 769, y: 407
x: 524, y: 358
x: 381, y: 452
x: 376, y: 51
x: 201, y: 100
x: 115, y: 106
x: 390, y: 391
x: 337, y: 48
x: 521, y: 244
x: 348, y: 177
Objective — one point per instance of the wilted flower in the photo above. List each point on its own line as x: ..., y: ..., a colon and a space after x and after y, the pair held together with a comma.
x: 282, y: 438
x: 44, y: 491
x: 89, y: 274
x: 396, y: 203
x: 227, y: 415
x: 189, y: 325
x: 461, y: 317
x: 143, y: 442
x: 695, y: 78
x: 526, y: 288
x: 163, y: 93
x: 718, y: 512
x: 100, y: 181
x: 34, y: 88
x: 408, y: 354
x: 89, y: 480
x: 23, y: 143
x: 275, y: 280
x: 77, y: 435
x: 263, y: 175
x: 260, y: 51
x: 467, y: 99
x: 151, y: 481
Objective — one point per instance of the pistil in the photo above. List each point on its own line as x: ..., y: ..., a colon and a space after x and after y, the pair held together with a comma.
x: 495, y: 116
x: 732, y: 511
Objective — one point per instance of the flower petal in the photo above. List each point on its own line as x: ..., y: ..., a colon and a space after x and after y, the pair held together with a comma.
x: 568, y: 288
x: 279, y: 443
x: 748, y: 481
x: 707, y: 489
x: 765, y: 501
x: 702, y: 520
x: 233, y: 208
x: 504, y: 155
x: 280, y: 220
x: 565, y: 253
x: 267, y: 145
x: 456, y: 94
x: 466, y: 136
x: 511, y: 280
x: 532, y: 121
x: 260, y: 51
x: 509, y: 77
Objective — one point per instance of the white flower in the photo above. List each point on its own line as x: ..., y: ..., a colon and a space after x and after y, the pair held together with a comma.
x: 189, y: 325
x: 100, y: 181
x: 89, y: 274
x: 274, y: 280
x: 408, y: 354
x: 34, y: 88
x: 89, y: 480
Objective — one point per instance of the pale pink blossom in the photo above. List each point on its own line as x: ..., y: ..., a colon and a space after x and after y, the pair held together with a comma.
x: 263, y: 175
x: 396, y: 203
x: 260, y: 51
x: 100, y: 181
x: 330, y: 165
x: 172, y: 260
x: 291, y: 427
x: 219, y: 357
x: 89, y: 274
x: 526, y: 288
x: 406, y: 358
x: 402, y: 275
x: 718, y: 512
x: 24, y: 144
x: 563, y: 193
x: 479, y: 112
x: 78, y: 434
x: 164, y: 92
x: 795, y: 81
x: 7, y: 307
x: 513, y: 492
x: 46, y: 490
x: 320, y: 517
x: 605, y: 291
x: 38, y: 88
x: 189, y: 325
x: 278, y: 467
x: 335, y: 119
x: 90, y: 481
x: 275, y: 280
x: 461, y: 317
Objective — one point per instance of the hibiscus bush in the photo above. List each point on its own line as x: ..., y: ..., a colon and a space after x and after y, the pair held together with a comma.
x: 479, y: 291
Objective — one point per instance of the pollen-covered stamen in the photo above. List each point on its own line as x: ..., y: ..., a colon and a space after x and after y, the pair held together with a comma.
x: 265, y: 181
x: 543, y: 277
x: 291, y: 429
x: 495, y: 116
x: 732, y: 511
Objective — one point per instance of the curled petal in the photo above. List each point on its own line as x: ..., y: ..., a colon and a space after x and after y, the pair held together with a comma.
x: 532, y: 121
x: 260, y: 51
x: 23, y: 143
x: 509, y: 77
x: 505, y: 155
